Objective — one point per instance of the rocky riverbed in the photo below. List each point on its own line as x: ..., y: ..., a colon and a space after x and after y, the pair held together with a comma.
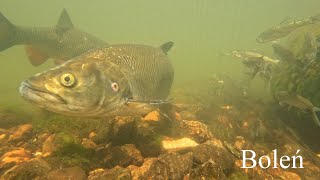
x: 186, y: 142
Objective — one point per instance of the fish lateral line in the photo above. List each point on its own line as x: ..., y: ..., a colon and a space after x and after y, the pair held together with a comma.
x: 149, y: 101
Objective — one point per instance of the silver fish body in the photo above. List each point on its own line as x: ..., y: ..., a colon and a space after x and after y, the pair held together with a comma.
x: 115, y: 80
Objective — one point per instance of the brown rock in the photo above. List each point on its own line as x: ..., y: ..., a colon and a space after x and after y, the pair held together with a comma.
x: 219, y: 156
x: 49, y: 145
x: 152, y: 116
x: 3, y: 138
x: 14, y: 157
x: 289, y: 175
x: 88, y: 144
x: 239, y: 143
x: 72, y: 173
x: 116, y: 173
x: 166, y: 166
x: 194, y: 130
x: 92, y: 135
x: 209, y: 170
x: 23, y: 132
x: 147, y: 140
x: 32, y: 169
x: 123, y: 156
x: 123, y: 129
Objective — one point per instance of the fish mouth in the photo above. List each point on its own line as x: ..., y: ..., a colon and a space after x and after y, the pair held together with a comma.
x: 38, y: 96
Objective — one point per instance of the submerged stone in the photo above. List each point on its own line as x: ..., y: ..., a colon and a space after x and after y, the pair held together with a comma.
x: 23, y: 132
x: 32, y: 169
x: 71, y: 173
x: 182, y: 144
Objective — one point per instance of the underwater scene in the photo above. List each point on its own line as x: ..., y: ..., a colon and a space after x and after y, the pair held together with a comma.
x: 123, y: 89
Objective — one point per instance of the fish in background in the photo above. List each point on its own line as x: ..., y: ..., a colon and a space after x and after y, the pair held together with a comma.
x: 61, y: 42
x: 123, y: 79
x: 283, y: 30
x: 302, y: 103
x: 257, y: 63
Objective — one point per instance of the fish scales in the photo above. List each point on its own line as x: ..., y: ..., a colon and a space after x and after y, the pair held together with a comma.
x: 147, y: 69
x: 124, y: 79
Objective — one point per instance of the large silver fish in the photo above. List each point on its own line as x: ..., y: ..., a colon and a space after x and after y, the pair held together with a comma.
x: 115, y: 80
x: 61, y: 42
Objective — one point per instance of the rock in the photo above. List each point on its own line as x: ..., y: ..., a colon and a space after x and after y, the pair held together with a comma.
x: 116, y: 173
x: 209, y: 170
x: 88, y: 144
x: 166, y: 166
x: 123, y: 129
x: 289, y: 175
x: 32, y: 169
x: 55, y: 142
x: 14, y: 157
x: 147, y: 140
x: 194, y: 130
x: 182, y: 144
x: 92, y: 135
x: 123, y: 155
x: 43, y: 137
x: 3, y: 138
x: 72, y: 173
x: 239, y: 143
x: 218, y: 155
x: 152, y: 116
x: 23, y: 132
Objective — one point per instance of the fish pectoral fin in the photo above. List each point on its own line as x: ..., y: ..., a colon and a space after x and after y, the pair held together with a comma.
x: 64, y: 23
x: 35, y: 56
x: 165, y: 47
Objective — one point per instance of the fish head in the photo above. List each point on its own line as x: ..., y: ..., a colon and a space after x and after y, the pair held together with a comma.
x: 76, y: 88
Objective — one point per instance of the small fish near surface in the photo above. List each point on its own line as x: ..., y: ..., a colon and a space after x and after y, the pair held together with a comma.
x: 285, y: 98
x: 124, y: 79
x: 61, y: 42
x: 281, y: 31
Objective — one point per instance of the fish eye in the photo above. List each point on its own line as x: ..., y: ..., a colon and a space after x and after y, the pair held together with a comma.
x: 115, y: 87
x: 67, y: 80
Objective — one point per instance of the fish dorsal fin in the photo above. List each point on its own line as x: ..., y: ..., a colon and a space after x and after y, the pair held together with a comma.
x: 64, y: 22
x: 166, y: 47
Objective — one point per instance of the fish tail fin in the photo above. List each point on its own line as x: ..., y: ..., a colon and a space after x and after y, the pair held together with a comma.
x: 315, y: 118
x: 7, y: 33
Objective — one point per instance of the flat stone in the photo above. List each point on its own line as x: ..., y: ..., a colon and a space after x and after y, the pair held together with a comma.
x: 182, y: 144
x: 23, y: 132
x: 71, y: 173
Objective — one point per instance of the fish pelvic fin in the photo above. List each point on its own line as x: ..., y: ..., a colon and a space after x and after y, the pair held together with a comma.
x: 64, y: 23
x: 315, y: 118
x: 35, y: 56
x: 7, y: 33
x: 165, y: 47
